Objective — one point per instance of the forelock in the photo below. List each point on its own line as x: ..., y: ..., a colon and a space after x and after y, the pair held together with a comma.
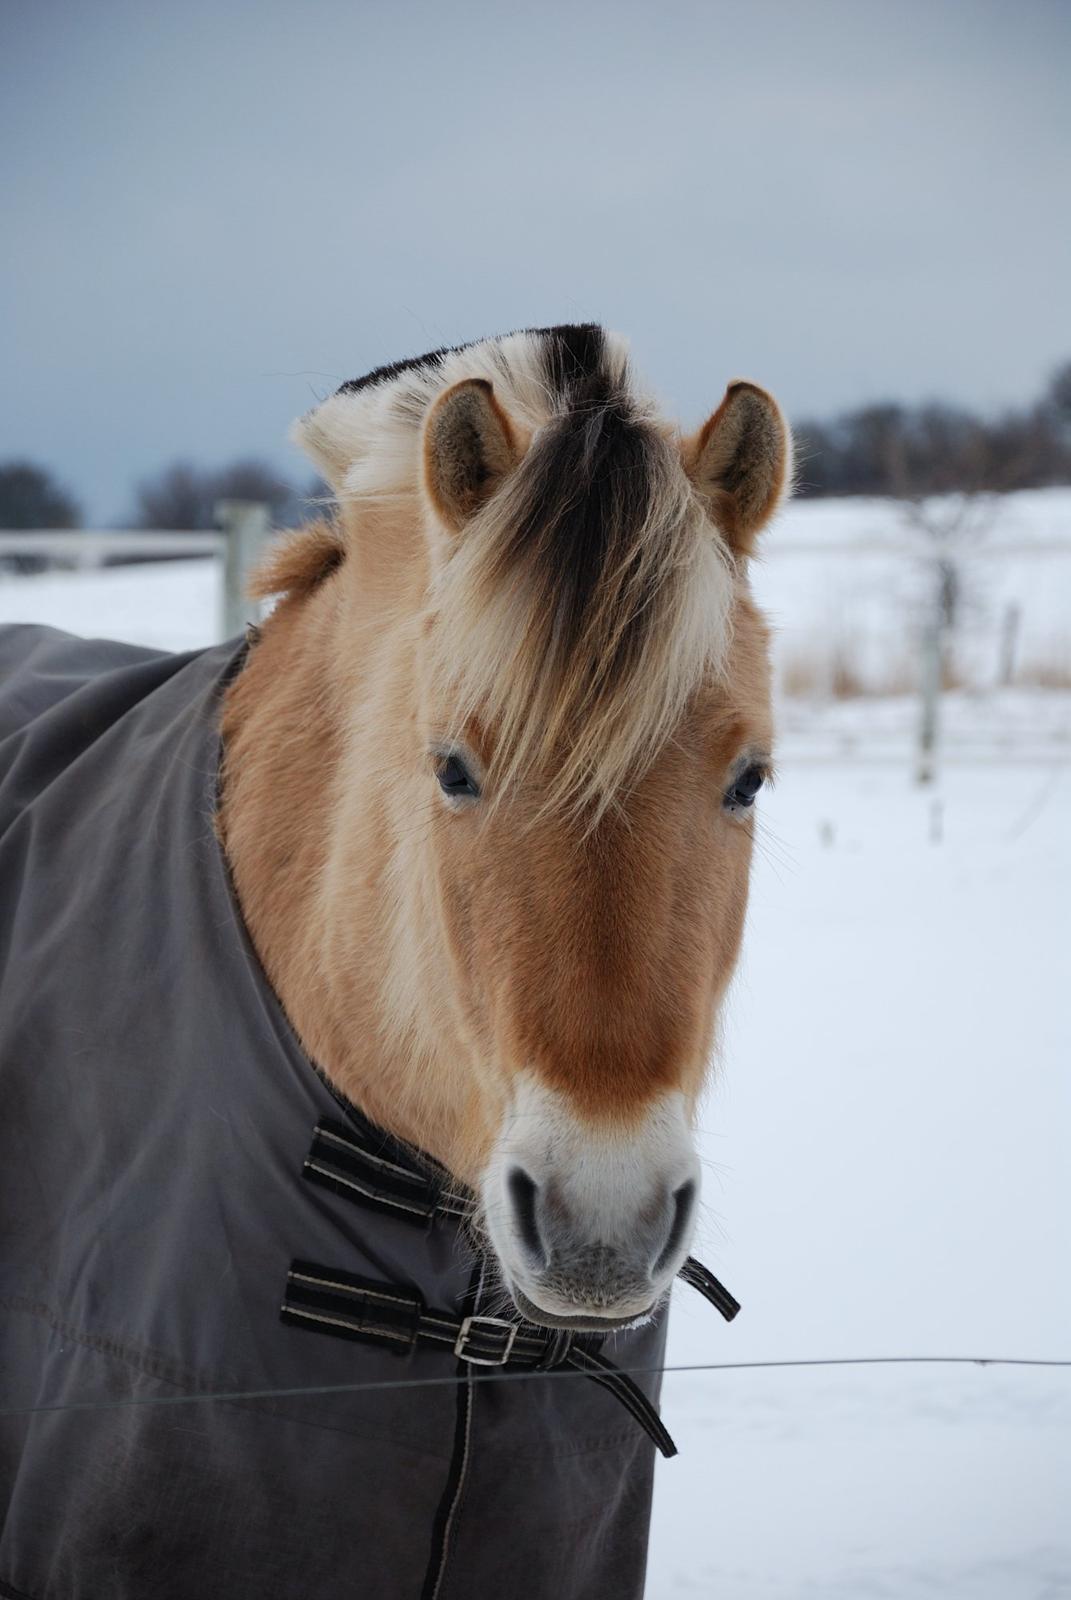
x: 589, y: 599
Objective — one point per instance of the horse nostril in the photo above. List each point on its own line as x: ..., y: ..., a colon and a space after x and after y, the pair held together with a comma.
x: 524, y: 1194
x: 683, y: 1204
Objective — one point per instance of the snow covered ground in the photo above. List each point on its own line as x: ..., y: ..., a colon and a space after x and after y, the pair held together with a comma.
x: 171, y: 605
x: 887, y: 1174
x: 887, y: 1147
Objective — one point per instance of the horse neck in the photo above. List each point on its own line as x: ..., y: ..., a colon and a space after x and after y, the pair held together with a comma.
x: 330, y: 893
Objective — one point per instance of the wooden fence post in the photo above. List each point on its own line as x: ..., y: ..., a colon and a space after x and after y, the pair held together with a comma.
x: 932, y: 671
x: 1009, y: 639
x: 246, y: 525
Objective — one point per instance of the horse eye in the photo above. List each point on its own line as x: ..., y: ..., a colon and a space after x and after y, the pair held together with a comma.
x: 743, y: 790
x: 455, y: 779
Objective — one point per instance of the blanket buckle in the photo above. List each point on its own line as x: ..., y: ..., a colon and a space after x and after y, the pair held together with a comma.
x: 473, y: 1327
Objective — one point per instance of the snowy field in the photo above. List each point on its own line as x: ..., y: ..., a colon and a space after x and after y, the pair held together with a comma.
x: 887, y: 1174
x: 887, y: 1147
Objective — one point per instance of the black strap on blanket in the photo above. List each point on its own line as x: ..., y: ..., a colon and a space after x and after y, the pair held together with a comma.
x: 340, y: 1160
x: 366, y: 1166
x: 350, y: 1307
x: 699, y: 1277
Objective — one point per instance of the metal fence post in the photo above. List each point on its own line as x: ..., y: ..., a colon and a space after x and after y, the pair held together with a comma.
x: 246, y: 525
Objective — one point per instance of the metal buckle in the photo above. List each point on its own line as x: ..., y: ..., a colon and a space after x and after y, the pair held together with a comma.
x: 485, y: 1322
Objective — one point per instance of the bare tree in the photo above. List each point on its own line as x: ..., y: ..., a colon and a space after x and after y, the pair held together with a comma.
x: 184, y: 496
x: 1058, y: 393
x: 944, y: 474
x: 31, y: 499
x: 937, y: 449
x: 945, y: 468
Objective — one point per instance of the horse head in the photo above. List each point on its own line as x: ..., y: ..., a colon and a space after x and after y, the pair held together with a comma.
x: 490, y: 785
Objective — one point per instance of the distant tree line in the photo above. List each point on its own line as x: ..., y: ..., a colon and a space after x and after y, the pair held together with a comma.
x: 911, y: 451
x: 181, y: 496
x: 907, y: 452
x: 30, y: 497
x: 184, y: 496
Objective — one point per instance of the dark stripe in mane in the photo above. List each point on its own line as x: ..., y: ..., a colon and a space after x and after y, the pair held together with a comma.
x: 575, y: 355
x: 589, y: 480
x: 588, y: 598
x: 575, y: 351
x: 589, y: 595
x: 397, y: 369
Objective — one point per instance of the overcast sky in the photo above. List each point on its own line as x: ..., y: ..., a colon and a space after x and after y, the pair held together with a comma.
x: 213, y: 211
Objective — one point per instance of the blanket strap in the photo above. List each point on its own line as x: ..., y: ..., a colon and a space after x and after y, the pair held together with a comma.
x: 362, y: 1164
x: 328, y: 1300
x: 699, y: 1277
x: 379, y: 1178
x: 383, y: 1179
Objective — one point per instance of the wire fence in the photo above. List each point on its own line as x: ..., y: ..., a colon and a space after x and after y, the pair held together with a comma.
x: 560, y: 1375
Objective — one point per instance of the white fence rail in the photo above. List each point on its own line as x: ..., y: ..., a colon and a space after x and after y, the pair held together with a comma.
x: 86, y: 548
x: 245, y: 527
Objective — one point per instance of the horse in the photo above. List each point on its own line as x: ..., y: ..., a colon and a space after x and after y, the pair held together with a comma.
x: 447, y: 865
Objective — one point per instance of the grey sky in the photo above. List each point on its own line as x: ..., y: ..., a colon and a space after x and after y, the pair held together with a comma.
x: 213, y: 211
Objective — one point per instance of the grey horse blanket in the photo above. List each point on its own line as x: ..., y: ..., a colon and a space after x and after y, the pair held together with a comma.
x: 159, y: 1124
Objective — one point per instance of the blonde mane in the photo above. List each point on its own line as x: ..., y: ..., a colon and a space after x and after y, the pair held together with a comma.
x: 578, y: 612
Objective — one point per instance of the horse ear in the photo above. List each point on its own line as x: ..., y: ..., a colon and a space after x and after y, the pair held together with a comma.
x: 739, y: 461
x: 469, y: 447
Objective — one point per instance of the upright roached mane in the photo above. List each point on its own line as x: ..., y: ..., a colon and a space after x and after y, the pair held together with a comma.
x: 582, y: 606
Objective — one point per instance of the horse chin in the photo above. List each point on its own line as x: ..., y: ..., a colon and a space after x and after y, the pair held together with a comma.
x: 581, y: 1322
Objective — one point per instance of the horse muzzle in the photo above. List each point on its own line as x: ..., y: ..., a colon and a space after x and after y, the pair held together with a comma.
x: 590, y: 1224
